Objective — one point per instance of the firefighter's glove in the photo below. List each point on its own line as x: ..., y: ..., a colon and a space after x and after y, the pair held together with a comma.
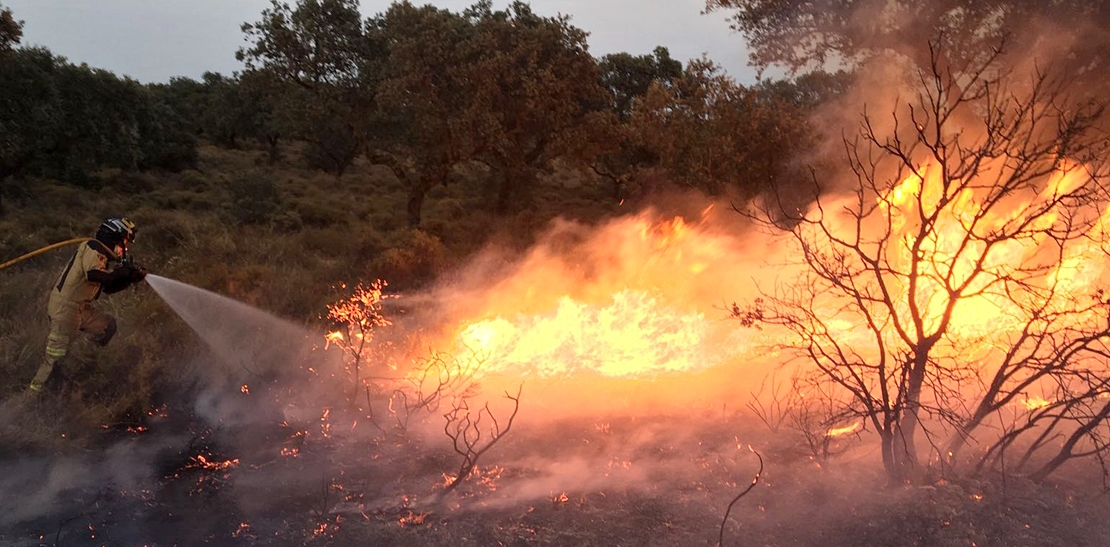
x: 127, y: 274
x: 137, y: 274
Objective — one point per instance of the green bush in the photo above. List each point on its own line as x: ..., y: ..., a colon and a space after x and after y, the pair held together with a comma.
x: 254, y: 198
x: 417, y: 258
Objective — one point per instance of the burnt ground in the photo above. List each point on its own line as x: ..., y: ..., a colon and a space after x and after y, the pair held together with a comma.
x: 178, y: 479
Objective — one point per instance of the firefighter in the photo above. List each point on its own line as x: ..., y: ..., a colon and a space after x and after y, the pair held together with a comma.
x: 99, y: 265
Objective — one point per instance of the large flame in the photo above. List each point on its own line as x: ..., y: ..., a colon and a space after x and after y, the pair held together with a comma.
x: 636, y: 334
x: 644, y: 296
x: 640, y: 297
x: 954, y: 248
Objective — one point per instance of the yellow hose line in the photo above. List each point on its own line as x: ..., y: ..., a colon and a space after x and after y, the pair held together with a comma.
x: 44, y: 249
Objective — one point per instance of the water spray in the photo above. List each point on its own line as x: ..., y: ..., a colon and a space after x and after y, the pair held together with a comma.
x: 236, y: 332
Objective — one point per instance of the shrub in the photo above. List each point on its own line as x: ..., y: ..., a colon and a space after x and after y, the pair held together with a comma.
x: 417, y: 258
x: 254, y: 198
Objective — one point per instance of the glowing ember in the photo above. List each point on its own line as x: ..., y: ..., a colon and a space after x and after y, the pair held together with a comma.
x: 325, y: 423
x: 200, y: 462
x: 488, y: 476
x: 334, y: 337
x: 412, y: 519
x: 160, y: 412
x: 244, y: 531
x: 361, y: 312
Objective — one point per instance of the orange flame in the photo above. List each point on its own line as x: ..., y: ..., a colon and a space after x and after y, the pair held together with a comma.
x: 633, y: 335
x: 846, y: 430
x: 627, y: 302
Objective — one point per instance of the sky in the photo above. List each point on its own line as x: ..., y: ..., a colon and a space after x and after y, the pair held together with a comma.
x: 154, y: 40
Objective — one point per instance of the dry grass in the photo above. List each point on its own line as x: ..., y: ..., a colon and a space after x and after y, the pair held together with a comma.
x: 275, y: 236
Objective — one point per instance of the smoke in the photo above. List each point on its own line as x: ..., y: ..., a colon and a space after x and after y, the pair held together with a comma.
x: 70, y: 484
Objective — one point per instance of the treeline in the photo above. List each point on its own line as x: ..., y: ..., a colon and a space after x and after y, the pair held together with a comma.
x: 424, y: 91
x: 66, y: 122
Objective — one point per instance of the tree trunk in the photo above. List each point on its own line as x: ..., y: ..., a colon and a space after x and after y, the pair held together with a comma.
x: 417, y: 191
x: 272, y: 150
x: 504, y: 191
x: 903, y: 439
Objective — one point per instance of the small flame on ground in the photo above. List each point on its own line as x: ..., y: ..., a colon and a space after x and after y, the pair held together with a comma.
x: 840, y: 431
x: 412, y: 519
x: 200, y: 462
x: 244, y: 531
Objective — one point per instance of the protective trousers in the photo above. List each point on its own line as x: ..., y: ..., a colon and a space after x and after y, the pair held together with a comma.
x: 64, y: 324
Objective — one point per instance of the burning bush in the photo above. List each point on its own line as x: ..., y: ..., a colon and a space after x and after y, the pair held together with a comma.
x: 962, y: 275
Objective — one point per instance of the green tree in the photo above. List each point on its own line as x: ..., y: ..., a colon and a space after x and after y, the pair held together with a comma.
x: 66, y: 121
x: 536, y: 93
x: 11, y: 30
x: 322, y: 47
x: 29, y: 117
x: 628, y: 77
x: 809, y: 90
x: 710, y: 133
x: 805, y: 34
x: 224, y: 113
x: 267, y: 121
x: 186, y: 97
x: 506, y: 88
x: 425, y: 89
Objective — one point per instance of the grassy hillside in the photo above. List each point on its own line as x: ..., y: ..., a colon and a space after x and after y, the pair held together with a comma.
x: 138, y: 445
x: 278, y: 237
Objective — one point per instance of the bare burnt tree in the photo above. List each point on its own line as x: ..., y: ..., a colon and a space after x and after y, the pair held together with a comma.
x: 771, y: 404
x: 473, y: 433
x: 810, y: 406
x: 438, y: 378
x: 961, y: 276
x: 816, y: 413
x: 744, y: 492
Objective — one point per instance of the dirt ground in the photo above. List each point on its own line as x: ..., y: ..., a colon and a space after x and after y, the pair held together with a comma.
x: 630, y: 481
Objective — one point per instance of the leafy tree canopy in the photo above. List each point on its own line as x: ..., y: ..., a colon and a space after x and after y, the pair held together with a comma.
x: 804, y: 34
x: 11, y: 30
x: 627, y: 77
x: 318, y: 42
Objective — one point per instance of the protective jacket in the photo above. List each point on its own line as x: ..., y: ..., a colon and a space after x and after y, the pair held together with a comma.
x: 83, y: 279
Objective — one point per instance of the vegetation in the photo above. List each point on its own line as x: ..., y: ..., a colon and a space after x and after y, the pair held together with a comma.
x: 802, y: 35
x: 923, y: 244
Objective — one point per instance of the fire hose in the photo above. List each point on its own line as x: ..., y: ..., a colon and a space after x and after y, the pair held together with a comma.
x: 43, y: 250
